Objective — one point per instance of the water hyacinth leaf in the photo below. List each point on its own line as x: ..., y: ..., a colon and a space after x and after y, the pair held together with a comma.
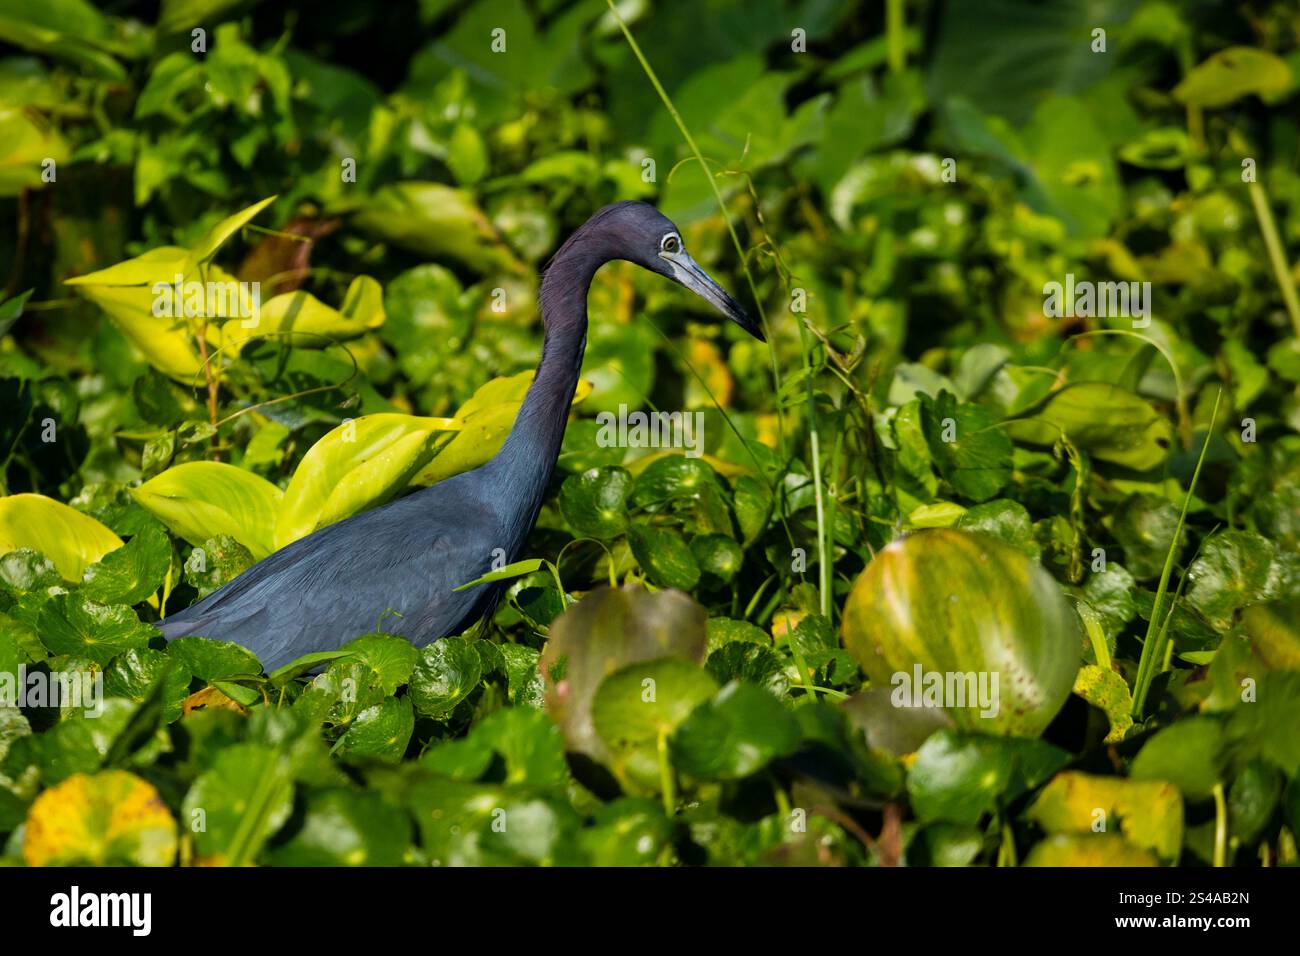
x: 1094, y: 850
x: 135, y: 674
x: 448, y: 670
x: 609, y: 629
x: 1108, y: 422
x: 199, y: 500
x: 243, y: 799
x: 347, y: 828
x: 1189, y: 754
x: 112, y: 818
x: 636, y: 709
x: 392, y: 658
x: 970, y: 611
x: 354, y: 467
x: 718, y: 556
x: 669, y: 477
x: 961, y: 777
x: 213, y: 660
x: 72, y: 624
x: 131, y: 573
x: 594, y: 503
x: 665, y: 557
x: 381, y: 731
x: 70, y: 539
x: 1149, y: 814
x: 216, y: 562
x: 734, y: 734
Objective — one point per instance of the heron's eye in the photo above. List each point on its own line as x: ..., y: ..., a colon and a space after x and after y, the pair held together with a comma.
x: 671, y: 244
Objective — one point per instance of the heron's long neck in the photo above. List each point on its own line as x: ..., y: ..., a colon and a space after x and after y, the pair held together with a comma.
x: 527, y: 458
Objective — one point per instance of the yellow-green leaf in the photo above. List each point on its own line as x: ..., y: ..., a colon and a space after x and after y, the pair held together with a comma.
x: 223, y: 230
x: 110, y: 818
x: 1098, y: 849
x: 356, y: 466
x: 1230, y: 74
x: 199, y: 500
x: 1148, y: 813
x: 361, y: 311
x: 72, y: 540
x: 1108, y: 422
x: 487, y: 417
x: 142, y: 298
x: 25, y: 142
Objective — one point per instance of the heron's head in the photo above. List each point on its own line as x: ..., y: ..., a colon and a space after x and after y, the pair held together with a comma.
x: 640, y: 233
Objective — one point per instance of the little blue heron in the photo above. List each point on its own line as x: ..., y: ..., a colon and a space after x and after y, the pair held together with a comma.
x: 408, y: 556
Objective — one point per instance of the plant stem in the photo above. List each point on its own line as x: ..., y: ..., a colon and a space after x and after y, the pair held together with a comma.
x: 1220, y: 827
x: 666, y: 776
x: 1151, y: 651
x: 1276, y: 254
x: 895, y: 28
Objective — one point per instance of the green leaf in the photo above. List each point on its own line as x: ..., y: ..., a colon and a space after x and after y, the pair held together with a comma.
x: 961, y: 777
x: 243, y: 799
x: 131, y: 573
x: 448, y: 670
x: 301, y: 665
x: 735, y: 734
x: 1188, y: 754
x: 972, y: 453
x: 594, y: 503
x: 381, y: 731
x: 1107, y: 422
x: 517, y: 569
x: 356, y: 466
x: 392, y: 658
x: 637, y: 708
x: 1108, y: 692
x: 1230, y: 74
x: 199, y: 500
x: 215, y: 563
x: 605, y: 631
x: 347, y: 828
x: 665, y: 557
x: 212, y: 660
x: 72, y: 624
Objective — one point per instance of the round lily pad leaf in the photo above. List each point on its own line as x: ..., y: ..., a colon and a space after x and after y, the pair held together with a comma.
x: 347, y: 828
x: 448, y: 670
x: 381, y: 731
x: 109, y: 818
x: 393, y: 658
x: 718, y: 556
x: 735, y: 734
x: 636, y: 709
x: 665, y: 557
x: 212, y: 660
x: 594, y: 503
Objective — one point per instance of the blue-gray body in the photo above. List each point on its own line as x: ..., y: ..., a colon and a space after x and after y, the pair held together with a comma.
x: 396, y: 568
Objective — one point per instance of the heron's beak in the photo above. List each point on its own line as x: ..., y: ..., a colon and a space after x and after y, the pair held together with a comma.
x: 688, y: 272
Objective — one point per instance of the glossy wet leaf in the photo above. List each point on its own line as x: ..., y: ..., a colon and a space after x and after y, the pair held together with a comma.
x: 1108, y: 422
x: 664, y: 555
x: 961, y: 777
x: 447, y: 671
x: 242, y: 800
x: 595, y: 502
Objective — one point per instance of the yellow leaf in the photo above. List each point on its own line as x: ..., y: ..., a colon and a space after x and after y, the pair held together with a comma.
x: 223, y: 230
x: 112, y: 817
x: 361, y: 311
x: 25, y: 143
x: 487, y: 417
x: 199, y: 500
x: 357, y: 466
x: 70, y: 539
